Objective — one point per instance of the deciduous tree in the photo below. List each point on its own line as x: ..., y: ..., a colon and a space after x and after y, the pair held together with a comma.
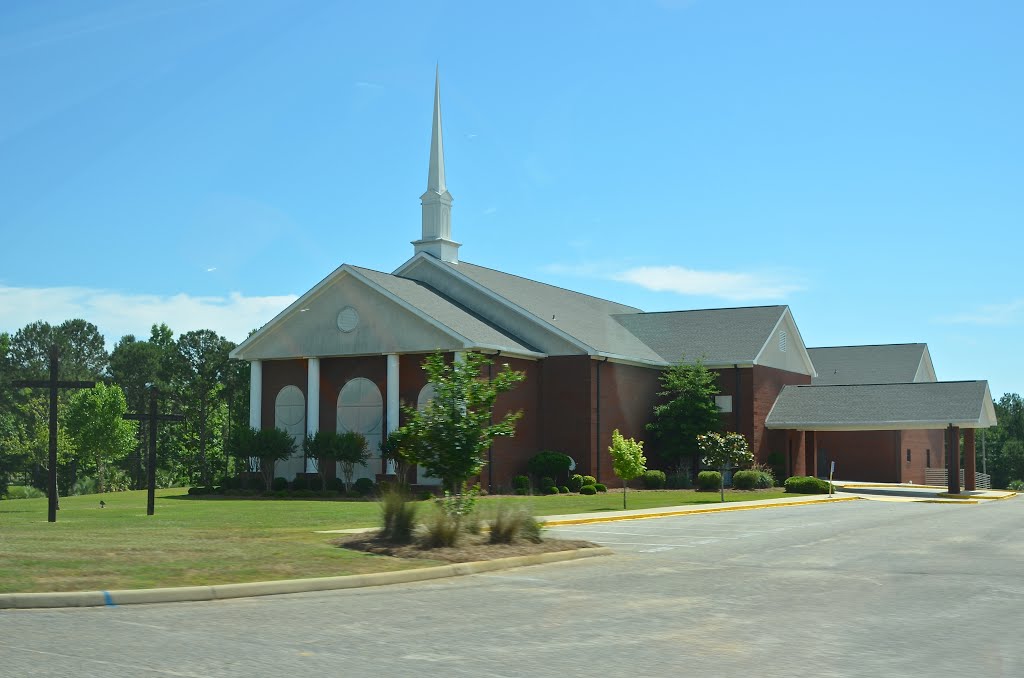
x: 451, y: 435
x: 98, y: 432
x: 724, y: 451
x: 628, y: 460
x: 688, y: 409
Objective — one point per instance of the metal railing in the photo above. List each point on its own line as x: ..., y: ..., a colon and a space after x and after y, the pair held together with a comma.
x: 940, y: 476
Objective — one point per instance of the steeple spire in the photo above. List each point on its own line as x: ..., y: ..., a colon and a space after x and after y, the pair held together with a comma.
x: 435, y: 176
x: 437, y: 201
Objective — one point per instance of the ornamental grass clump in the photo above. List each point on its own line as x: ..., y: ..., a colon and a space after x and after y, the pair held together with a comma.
x: 398, y: 516
x: 512, y: 524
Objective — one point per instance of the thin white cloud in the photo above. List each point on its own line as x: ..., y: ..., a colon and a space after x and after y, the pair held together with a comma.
x: 118, y: 313
x: 490, y: 210
x: 368, y: 85
x: 1008, y: 313
x: 211, y: 269
x: 723, y: 284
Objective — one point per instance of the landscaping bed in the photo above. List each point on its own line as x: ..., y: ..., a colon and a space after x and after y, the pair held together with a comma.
x: 470, y: 549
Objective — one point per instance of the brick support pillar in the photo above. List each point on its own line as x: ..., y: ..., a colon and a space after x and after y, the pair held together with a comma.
x: 811, y: 453
x: 953, y: 458
x: 970, y: 464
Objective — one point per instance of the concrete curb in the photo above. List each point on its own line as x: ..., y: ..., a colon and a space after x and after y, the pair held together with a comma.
x: 694, y: 510
x: 272, y: 588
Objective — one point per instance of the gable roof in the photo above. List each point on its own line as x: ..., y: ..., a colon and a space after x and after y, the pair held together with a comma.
x: 717, y: 336
x: 587, y: 319
x: 883, y: 407
x: 464, y: 329
x: 874, y: 364
x: 447, y: 312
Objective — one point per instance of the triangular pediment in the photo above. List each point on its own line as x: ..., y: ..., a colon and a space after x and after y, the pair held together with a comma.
x: 347, y: 314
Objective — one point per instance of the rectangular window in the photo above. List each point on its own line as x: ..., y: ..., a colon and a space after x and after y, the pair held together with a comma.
x: 724, y: 403
x: 908, y: 456
x: 928, y: 458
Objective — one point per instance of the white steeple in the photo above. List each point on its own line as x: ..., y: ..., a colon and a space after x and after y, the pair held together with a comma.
x: 437, y: 201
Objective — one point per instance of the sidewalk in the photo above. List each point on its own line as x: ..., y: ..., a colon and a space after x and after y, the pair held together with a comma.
x: 932, y: 494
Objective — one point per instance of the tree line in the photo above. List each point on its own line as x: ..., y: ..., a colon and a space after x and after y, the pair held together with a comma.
x: 192, y: 374
x: 1004, y: 444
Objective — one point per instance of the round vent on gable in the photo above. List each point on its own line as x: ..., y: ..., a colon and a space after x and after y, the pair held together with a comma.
x: 348, y: 319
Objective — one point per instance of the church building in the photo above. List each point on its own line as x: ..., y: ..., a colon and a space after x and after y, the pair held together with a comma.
x: 347, y: 354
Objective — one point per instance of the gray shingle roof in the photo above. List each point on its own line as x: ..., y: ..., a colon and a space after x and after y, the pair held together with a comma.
x: 445, y: 311
x: 718, y: 336
x: 882, y: 364
x: 588, y: 319
x: 879, y: 407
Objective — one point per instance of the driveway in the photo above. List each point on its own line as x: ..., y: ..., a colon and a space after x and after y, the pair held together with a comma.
x: 848, y: 589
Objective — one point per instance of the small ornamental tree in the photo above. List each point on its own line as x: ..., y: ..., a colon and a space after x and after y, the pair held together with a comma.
x: 723, y: 451
x: 628, y: 460
x: 352, y: 451
x: 272, y: 445
x: 450, y: 437
x: 324, y: 447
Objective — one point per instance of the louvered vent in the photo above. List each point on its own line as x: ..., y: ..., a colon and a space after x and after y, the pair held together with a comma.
x: 782, y: 340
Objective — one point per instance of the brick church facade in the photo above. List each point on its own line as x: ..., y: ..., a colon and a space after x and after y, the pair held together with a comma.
x: 347, y: 355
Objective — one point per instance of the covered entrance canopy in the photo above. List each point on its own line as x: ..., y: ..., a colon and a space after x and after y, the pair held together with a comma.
x: 949, y: 405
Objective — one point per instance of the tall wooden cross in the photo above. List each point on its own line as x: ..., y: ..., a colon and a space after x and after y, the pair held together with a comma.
x: 54, y: 385
x: 152, y: 418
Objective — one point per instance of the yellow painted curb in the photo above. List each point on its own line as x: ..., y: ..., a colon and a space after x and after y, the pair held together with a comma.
x: 1006, y: 495
x: 270, y: 588
x: 692, y: 511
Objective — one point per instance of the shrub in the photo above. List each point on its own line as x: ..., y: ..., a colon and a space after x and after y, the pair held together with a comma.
x: 575, y: 482
x: 589, y: 480
x: 280, y: 494
x: 806, y: 485
x: 600, y: 487
x: 398, y: 516
x: 279, y: 484
x: 521, y: 491
x: 588, y: 489
x: 708, y: 481
x: 551, y: 490
x: 1015, y: 485
x: 521, y: 483
x: 300, y: 482
x: 24, y: 492
x: 364, y: 486
x: 549, y: 464
x: 316, y: 483
x: 509, y: 525
x: 425, y: 495
x: 678, y: 481
x: 745, y: 480
x: 563, y: 490
x: 232, y: 492
x: 545, y: 483
x: 303, y: 494
x: 85, y: 485
x: 653, y: 480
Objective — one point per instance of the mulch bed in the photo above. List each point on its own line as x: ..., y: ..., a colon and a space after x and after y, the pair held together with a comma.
x: 470, y: 549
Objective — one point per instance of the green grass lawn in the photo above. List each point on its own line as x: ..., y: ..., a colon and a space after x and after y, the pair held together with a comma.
x: 193, y: 541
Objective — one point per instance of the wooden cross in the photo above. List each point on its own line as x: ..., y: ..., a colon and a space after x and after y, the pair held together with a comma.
x: 54, y: 385
x: 152, y: 418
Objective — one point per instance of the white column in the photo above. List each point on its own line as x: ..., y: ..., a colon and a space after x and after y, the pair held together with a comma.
x: 256, y: 394
x: 312, y: 401
x: 392, y: 402
x: 313, y: 395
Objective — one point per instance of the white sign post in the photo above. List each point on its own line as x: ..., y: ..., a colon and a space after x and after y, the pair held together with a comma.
x: 831, y: 470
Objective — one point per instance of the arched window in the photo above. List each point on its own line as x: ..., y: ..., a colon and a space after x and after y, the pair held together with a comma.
x: 361, y: 409
x: 290, y: 416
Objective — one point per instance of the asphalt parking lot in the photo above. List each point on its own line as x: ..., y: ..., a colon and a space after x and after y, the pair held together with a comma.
x: 849, y: 589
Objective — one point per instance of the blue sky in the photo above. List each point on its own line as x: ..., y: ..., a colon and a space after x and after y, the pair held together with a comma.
x: 202, y: 163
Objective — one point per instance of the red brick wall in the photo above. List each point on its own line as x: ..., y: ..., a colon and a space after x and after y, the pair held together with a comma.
x: 276, y: 375
x: 509, y: 455
x: 628, y: 396
x: 864, y: 455
x: 411, y: 379
x: 919, y: 443
x: 566, y: 394
x: 767, y: 384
